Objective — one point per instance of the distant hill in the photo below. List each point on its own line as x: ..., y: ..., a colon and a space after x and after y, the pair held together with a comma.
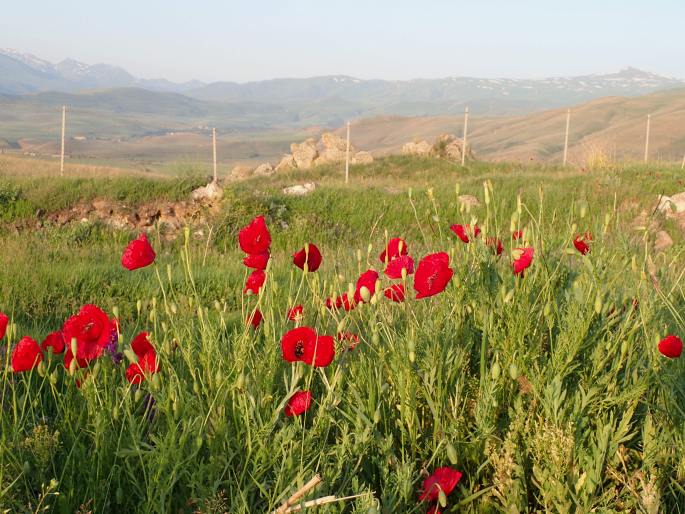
x: 612, y: 127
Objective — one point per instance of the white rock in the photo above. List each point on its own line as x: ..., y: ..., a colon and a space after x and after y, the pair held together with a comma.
x: 300, y: 189
x: 362, y: 158
x: 211, y: 191
x: 264, y: 170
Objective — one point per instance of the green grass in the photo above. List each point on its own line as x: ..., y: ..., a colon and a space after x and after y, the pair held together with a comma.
x: 546, y: 392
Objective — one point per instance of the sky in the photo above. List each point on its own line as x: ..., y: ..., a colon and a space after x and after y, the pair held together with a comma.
x: 255, y: 40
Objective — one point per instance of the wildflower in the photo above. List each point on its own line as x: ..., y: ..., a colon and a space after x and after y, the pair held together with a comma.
x: 54, y: 340
x: 147, y: 359
x: 298, y: 404
x: 671, y: 347
x: 368, y: 280
x: 295, y: 313
x: 516, y: 235
x: 255, y: 237
x: 351, y: 339
x: 443, y: 479
x: 69, y: 358
x: 255, y: 318
x: 138, y: 254
x: 4, y: 321
x: 303, y: 344
x: 581, y: 243
x: 394, y: 268
x: 463, y: 231
x: 26, y: 355
x: 254, y: 282
x: 432, y: 275
x: 309, y: 255
x: 257, y: 261
x: 495, y: 244
x: 395, y: 293
x: 341, y: 301
x: 395, y: 248
x: 92, y: 329
x: 523, y: 257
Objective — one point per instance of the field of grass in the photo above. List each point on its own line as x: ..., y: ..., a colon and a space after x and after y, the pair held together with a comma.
x: 546, y: 391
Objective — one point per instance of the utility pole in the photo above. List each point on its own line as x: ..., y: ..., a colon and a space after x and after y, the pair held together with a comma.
x: 568, y: 124
x: 214, y: 153
x: 64, y: 125
x: 649, y: 122
x: 347, y: 156
x: 466, y: 127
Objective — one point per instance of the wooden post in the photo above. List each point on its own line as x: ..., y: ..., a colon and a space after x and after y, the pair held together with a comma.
x: 466, y: 127
x: 214, y: 153
x: 683, y: 164
x: 649, y: 122
x: 568, y: 124
x: 347, y: 156
x: 64, y: 125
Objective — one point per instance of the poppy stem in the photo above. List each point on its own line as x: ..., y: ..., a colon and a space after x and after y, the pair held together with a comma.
x: 483, y: 349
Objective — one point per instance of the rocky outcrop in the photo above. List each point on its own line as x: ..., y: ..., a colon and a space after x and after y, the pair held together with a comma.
x: 300, y: 189
x: 332, y: 149
x: 670, y: 204
x: 212, y: 191
x: 449, y: 146
x: 417, y: 147
x: 287, y: 163
x: 264, y: 170
x: 304, y: 153
x: 362, y: 158
x: 241, y: 172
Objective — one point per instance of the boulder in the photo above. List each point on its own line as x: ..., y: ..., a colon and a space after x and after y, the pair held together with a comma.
x: 241, y: 172
x: 304, y: 153
x: 362, y: 158
x: 416, y: 147
x: 300, y: 189
x: 468, y: 200
x: 264, y: 170
x: 332, y: 149
x: 211, y: 191
x: 287, y: 163
x: 670, y: 204
x: 449, y: 146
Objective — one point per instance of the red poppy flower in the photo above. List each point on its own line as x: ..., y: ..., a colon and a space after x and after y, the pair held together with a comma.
x: 138, y: 254
x: 516, y: 235
x: 433, y: 510
x: 367, y: 279
x: 443, y: 479
x: 351, y: 339
x: 394, y: 268
x: 4, y: 321
x: 432, y: 275
x: 523, y: 257
x: 254, y: 282
x: 495, y: 244
x: 302, y: 344
x: 298, y: 404
x: 395, y: 292
x: 147, y: 359
x: 312, y: 258
x: 581, y: 243
x: 26, y: 355
x: 463, y: 231
x: 395, y: 248
x: 255, y: 318
x: 255, y: 237
x: 341, y: 301
x: 671, y: 347
x: 54, y: 340
x: 257, y: 260
x: 93, y: 331
x: 296, y: 313
x: 69, y: 357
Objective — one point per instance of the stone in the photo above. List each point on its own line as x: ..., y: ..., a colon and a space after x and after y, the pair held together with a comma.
x: 264, y: 170
x: 663, y: 241
x: 670, y: 204
x: 287, y: 163
x: 449, y: 146
x: 416, y: 147
x: 362, y: 158
x: 211, y: 191
x: 300, y: 189
x: 304, y: 153
x: 241, y: 172
x: 333, y: 149
x: 468, y: 200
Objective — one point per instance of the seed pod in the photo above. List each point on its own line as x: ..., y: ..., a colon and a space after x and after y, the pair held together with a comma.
x: 451, y: 453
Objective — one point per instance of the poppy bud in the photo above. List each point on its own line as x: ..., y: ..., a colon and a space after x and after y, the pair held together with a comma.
x: 409, y: 193
x: 132, y: 357
x: 509, y: 297
x: 442, y: 499
x: 457, y: 188
x: 96, y: 369
x: 41, y: 369
x: 518, y: 205
x: 164, y: 326
x: 74, y: 347
x: 139, y: 306
x: 487, y: 193
x: 350, y: 290
x: 375, y: 338
x: 119, y: 496
x: 196, y: 388
x: 547, y: 310
x: 583, y: 210
x: 412, y: 357
x: 374, y: 300
x: 495, y: 371
x: 451, y: 453
x: 598, y: 304
x: 137, y: 395
x: 574, y: 227
x: 53, y: 377
x: 198, y: 442
x: 174, y: 308
x: 156, y: 381
x: 115, y: 311
x: 512, y: 225
x: 341, y: 326
x: 217, y: 306
x: 115, y: 412
x: 624, y: 347
x: 513, y: 371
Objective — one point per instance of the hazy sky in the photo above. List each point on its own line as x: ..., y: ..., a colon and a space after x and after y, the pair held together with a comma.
x: 252, y: 40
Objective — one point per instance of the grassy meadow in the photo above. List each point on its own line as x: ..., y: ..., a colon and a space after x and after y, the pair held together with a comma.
x: 546, y: 391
